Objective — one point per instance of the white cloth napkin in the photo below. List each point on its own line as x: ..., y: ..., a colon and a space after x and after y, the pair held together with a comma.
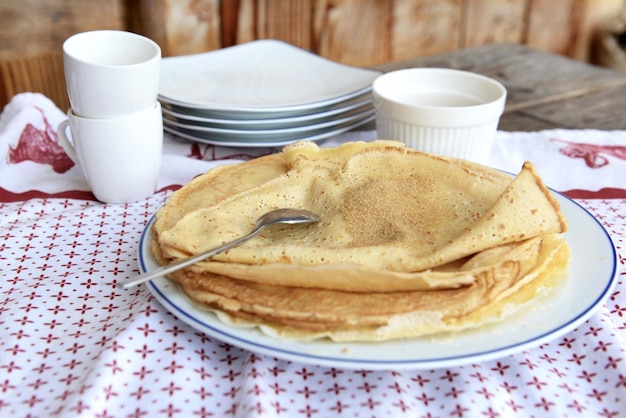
x: 34, y: 159
x: 580, y: 163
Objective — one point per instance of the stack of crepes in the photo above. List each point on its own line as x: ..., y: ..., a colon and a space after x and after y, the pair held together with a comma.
x: 408, y: 243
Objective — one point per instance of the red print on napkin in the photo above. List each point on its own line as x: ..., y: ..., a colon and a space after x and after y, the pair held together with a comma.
x: 591, y: 153
x: 40, y: 146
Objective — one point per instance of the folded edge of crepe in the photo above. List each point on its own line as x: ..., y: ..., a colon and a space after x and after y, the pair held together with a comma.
x: 506, y: 293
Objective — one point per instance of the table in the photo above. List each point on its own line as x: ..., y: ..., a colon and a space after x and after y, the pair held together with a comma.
x: 72, y: 343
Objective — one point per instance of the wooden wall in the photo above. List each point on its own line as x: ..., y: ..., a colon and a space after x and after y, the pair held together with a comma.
x: 356, y: 32
x: 370, y: 32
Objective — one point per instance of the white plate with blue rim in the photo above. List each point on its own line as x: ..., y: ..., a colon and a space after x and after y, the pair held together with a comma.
x: 592, y: 277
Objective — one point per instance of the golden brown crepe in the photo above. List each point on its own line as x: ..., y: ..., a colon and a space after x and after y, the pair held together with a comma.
x: 409, y: 243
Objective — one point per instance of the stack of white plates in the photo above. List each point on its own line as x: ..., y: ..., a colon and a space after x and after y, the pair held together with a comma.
x: 262, y: 93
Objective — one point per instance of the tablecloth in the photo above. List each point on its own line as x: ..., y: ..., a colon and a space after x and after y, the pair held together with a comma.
x: 73, y: 344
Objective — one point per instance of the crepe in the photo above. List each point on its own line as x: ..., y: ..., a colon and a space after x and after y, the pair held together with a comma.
x: 306, y: 314
x: 405, y: 238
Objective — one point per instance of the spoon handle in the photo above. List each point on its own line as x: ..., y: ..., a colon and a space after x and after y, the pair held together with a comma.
x: 186, y: 262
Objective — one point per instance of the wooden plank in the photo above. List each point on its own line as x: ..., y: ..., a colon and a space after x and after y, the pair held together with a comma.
x: 352, y: 32
x: 245, y: 25
x: 597, y: 109
x: 28, y: 27
x: 553, y: 26
x: 370, y: 32
x: 479, y: 59
x: 42, y: 73
x: 424, y: 27
x: 192, y: 26
x: 230, y: 22
x: 520, y: 122
x: 567, y: 27
x: 290, y: 21
x: 271, y: 19
x: 147, y: 17
x: 596, y: 17
x: 489, y: 21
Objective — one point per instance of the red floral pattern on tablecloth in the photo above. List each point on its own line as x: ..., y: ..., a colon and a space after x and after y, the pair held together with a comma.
x: 73, y: 344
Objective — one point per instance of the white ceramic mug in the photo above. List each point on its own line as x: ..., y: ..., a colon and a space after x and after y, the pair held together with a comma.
x: 440, y: 111
x: 110, y: 73
x: 120, y: 157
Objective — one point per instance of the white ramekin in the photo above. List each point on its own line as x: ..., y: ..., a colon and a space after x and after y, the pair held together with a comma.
x: 440, y: 111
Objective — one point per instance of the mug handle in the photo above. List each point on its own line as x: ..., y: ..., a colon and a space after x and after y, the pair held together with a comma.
x: 66, y: 144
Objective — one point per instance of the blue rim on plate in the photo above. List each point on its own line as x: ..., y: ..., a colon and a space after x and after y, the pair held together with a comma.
x: 592, y: 276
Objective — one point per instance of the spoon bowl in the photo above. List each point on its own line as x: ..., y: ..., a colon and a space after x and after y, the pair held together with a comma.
x: 286, y: 216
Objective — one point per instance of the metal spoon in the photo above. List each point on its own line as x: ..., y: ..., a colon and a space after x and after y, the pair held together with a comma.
x: 278, y: 216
